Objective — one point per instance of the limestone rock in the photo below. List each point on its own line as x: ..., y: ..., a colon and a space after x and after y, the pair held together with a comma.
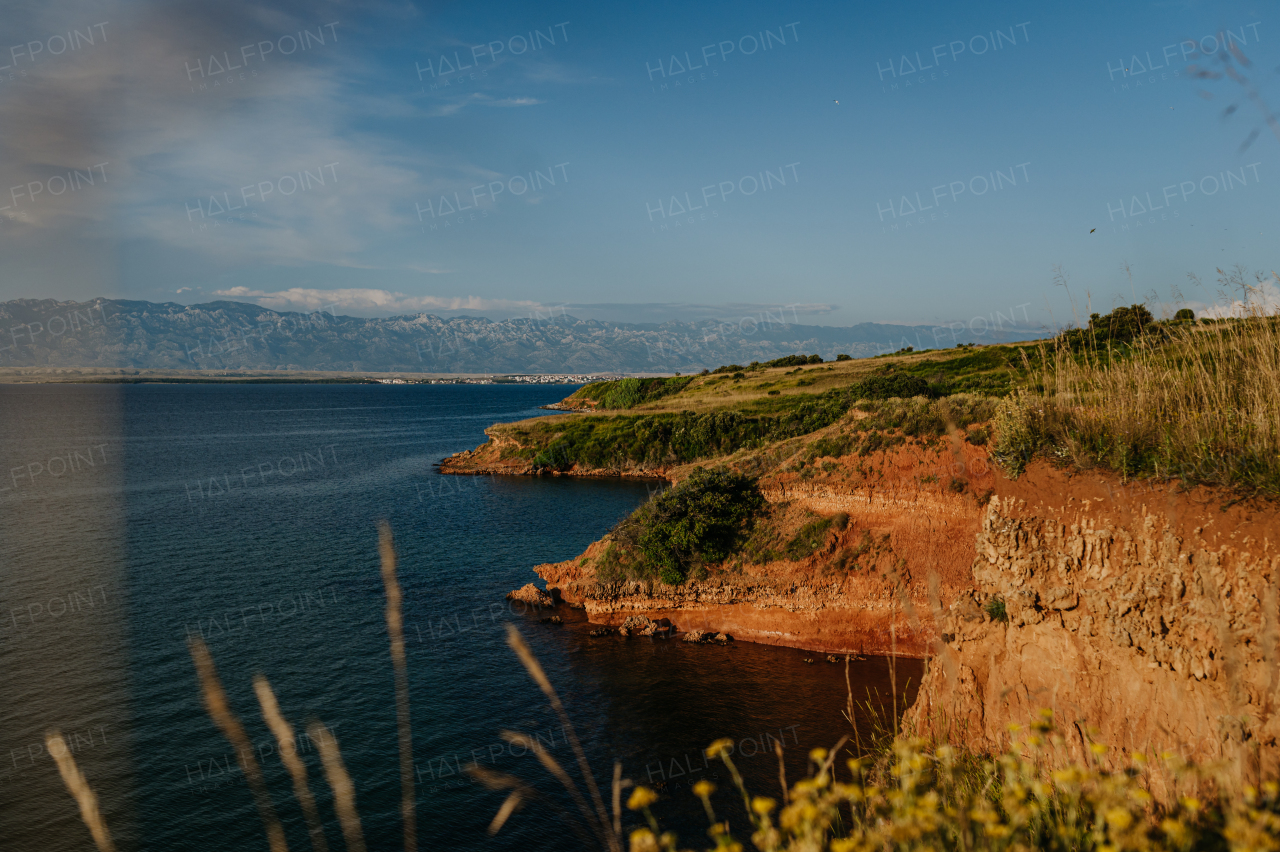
x: 531, y: 594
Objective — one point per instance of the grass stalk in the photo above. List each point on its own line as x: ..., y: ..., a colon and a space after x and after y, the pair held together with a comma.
x: 286, y: 746
x: 404, y: 724
x: 344, y: 792
x: 78, y: 786
x: 215, y: 702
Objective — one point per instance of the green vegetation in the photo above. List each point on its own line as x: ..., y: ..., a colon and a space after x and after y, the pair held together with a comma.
x: 679, y: 438
x: 1198, y: 403
x: 1123, y: 325
x: 813, y: 536
x: 628, y: 393
x: 788, y: 361
x: 702, y: 520
x: 886, y: 385
x: 784, y: 361
x: 911, y: 795
x: 996, y: 610
x: 991, y: 370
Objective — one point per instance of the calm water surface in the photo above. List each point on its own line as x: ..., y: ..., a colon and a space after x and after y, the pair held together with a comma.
x: 133, y: 517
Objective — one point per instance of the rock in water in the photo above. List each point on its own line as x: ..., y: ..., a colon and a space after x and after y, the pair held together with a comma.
x: 531, y: 594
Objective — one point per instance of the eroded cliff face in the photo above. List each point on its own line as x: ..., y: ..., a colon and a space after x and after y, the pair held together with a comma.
x: 872, y: 587
x: 1144, y: 616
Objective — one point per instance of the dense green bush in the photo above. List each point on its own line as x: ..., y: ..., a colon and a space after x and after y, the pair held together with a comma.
x: 784, y: 361
x: 628, y: 393
x: 888, y: 385
x: 1121, y: 326
x: 701, y: 520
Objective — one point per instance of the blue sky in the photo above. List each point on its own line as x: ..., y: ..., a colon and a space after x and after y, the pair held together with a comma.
x: 601, y: 178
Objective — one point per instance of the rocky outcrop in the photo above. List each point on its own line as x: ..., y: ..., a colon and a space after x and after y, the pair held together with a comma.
x: 531, y: 594
x: 1145, y: 617
x: 872, y: 587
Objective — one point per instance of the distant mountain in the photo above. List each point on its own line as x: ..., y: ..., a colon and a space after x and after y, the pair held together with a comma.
x: 113, y: 333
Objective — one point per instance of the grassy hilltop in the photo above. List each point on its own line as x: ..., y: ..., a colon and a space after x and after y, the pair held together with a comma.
x: 1182, y: 399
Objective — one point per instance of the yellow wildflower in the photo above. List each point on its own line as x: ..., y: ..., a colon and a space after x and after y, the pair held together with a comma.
x: 642, y: 840
x: 641, y: 797
x: 723, y: 745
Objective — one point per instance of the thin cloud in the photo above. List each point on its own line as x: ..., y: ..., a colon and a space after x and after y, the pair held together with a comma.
x: 370, y: 302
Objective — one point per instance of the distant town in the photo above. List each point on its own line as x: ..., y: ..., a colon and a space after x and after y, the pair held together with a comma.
x: 540, y: 379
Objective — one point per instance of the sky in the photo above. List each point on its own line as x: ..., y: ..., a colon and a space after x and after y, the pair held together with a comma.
x: 905, y: 163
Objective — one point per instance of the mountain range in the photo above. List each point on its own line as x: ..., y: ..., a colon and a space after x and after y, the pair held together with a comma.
x: 219, y: 336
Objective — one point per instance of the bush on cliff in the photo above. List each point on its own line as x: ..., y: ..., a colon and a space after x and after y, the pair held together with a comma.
x: 1196, y: 403
x: 701, y: 520
x: 813, y: 536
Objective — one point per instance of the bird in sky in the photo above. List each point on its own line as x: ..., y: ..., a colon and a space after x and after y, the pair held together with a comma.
x: 1091, y: 230
x: 837, y: 103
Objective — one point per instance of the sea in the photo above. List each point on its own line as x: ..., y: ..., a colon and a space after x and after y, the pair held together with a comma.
x: 136, y: 518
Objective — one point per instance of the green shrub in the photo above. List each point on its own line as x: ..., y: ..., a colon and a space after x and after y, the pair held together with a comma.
x: 888, y: 385
x: 843, y: 357
x: 702, y: 520
x: 628, y: 393
x: 809, y: 539
x: 834, y: 446
x: 1121, y: 326
x: 1016, y: 436
x: 996, y: 609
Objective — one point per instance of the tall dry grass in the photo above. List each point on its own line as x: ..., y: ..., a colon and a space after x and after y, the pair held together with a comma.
x: 1198, y: 402
x: 78, y: 786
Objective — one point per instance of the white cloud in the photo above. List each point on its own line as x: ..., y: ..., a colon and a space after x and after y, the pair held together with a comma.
x: 360, y: 302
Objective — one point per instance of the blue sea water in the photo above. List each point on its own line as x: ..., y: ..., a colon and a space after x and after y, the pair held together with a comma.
x: 135, y: 517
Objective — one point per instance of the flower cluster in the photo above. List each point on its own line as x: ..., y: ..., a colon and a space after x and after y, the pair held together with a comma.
x: 920, y: 797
